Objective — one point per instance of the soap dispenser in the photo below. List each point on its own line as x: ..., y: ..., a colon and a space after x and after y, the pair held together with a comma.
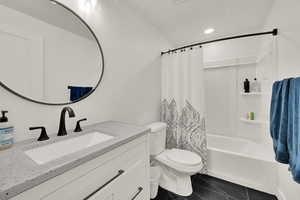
x: 246, y: 86
x: 6, y: 132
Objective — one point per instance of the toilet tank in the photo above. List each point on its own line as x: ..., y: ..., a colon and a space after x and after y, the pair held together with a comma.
x: 157, y: 137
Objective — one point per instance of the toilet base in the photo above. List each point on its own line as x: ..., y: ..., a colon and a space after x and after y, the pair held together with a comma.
x: 176, y: 182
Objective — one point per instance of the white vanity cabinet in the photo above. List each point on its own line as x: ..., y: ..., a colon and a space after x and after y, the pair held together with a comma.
x: 120, y: 174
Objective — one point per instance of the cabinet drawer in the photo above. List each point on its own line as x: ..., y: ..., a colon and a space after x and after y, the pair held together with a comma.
x: 131, y: 185
x: 107, y: 174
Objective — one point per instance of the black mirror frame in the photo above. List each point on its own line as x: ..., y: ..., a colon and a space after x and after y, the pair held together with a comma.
x: 102, y: 63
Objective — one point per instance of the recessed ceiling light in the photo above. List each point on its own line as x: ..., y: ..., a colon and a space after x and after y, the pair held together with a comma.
x: 179, y: 1
x: 87, y: 5
x: 209, y: 31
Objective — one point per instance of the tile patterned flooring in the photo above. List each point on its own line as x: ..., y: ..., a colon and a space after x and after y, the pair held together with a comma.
x: 210, y: 188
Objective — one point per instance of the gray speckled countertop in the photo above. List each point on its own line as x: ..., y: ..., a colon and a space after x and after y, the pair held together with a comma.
x: 19, y: 173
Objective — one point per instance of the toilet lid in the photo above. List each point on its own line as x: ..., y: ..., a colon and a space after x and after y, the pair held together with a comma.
x: 183, y: 157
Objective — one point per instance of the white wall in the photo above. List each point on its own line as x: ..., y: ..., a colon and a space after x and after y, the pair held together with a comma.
x: 130, y: 90
x: 231, y: 49
x: 285, y: 15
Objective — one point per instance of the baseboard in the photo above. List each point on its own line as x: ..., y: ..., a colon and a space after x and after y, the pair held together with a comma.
x: 280, y: 195
x: 244, y: 183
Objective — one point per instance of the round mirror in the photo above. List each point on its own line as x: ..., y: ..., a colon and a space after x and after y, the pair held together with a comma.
x: 48, y: 54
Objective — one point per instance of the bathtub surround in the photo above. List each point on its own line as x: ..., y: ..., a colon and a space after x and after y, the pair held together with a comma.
x: 183, y: 101
x: 231, y: 138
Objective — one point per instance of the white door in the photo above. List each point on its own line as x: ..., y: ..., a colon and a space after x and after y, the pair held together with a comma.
x: 22, y: 61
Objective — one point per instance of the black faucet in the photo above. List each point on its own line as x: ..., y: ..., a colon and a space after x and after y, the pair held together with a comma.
x: 62, y: 124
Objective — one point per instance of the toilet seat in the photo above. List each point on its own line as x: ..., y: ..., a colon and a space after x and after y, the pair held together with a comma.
x: 181, y: 160
x: 183, y: 157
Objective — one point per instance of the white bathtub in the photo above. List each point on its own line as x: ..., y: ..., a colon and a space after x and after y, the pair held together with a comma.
x: 242, y: 162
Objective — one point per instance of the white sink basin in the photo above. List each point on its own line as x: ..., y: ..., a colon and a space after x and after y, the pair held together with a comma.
x: 47, y: 153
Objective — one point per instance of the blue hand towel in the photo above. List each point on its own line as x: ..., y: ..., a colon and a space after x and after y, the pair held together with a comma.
x: 293, y: 137
x: 78, y: 92
x: 279, y: 120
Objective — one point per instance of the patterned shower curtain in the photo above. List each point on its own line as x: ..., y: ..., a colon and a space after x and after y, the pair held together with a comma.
x: 183, y: 102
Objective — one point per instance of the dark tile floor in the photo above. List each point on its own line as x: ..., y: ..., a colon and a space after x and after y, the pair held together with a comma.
x: 210, y: 188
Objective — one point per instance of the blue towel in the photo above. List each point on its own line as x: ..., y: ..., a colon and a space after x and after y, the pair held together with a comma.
x: 285, y: 123
x: 293, y: 137
x: 279, y: 120
x: 78, y: 92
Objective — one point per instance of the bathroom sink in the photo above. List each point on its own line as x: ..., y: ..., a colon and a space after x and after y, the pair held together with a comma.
x: 47, y: 153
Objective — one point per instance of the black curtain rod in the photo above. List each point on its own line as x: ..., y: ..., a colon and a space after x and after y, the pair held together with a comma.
x: 274, y: 32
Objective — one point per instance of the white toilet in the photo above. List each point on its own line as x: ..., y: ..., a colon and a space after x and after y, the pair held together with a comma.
x: 176, y: 165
